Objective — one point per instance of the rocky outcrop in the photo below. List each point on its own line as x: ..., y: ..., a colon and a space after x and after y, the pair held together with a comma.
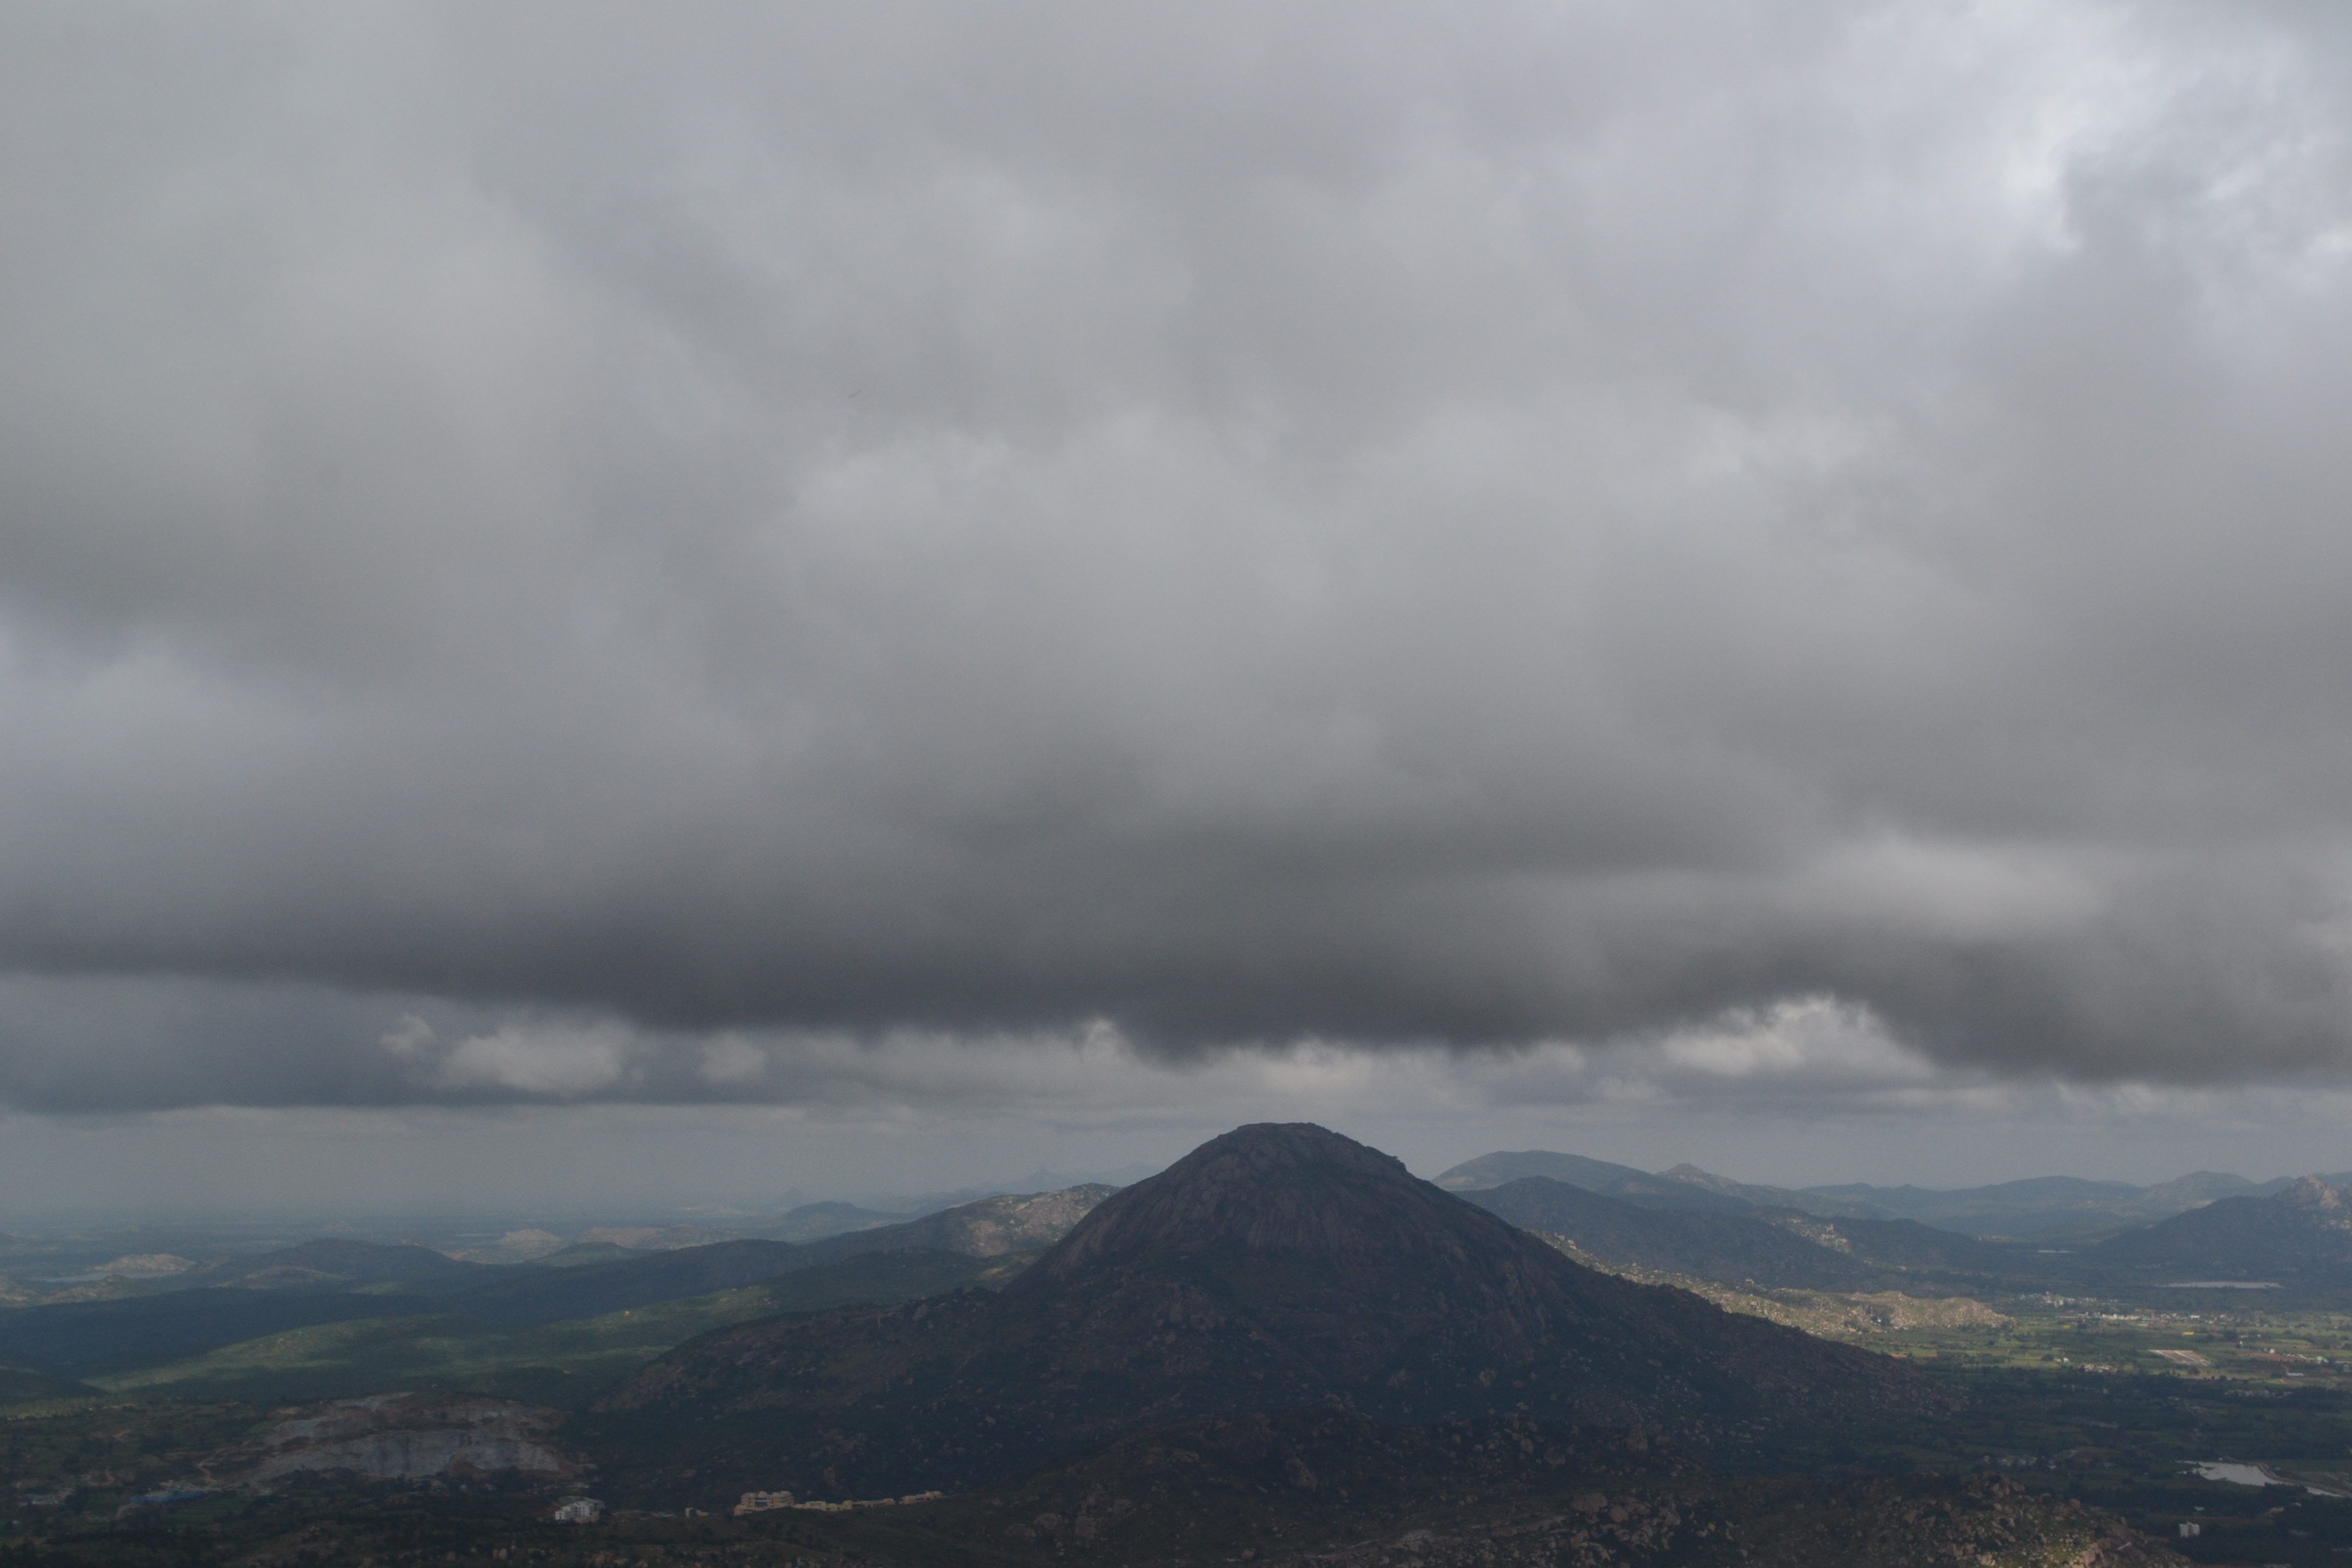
x: 395, y: 1436
x: 995, y: 1226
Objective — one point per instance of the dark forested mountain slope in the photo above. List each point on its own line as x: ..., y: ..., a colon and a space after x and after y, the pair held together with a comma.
x: 2305, y: 1230
x: 1277, y: 1267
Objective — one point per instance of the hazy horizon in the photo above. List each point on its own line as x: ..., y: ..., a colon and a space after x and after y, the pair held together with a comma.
x: 435, y: 1172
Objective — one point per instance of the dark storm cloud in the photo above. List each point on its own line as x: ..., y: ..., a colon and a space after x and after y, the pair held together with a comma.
x: 1249, y: 524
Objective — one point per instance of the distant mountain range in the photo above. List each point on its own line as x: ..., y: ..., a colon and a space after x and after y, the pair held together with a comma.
x: 2056, y: 1207
x: 2296, y: 1233
x: 1620, y: 1182
x: 2041, y: 1208
x: 1771, y: 1247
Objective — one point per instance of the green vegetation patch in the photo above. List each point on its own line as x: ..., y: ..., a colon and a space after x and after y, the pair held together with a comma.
x: 552, y: 1363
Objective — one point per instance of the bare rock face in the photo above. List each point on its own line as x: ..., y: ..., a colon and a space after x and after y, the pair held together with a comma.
x: 395, y: 1437
x: 995, y: 1226
x: 2311, y: 1193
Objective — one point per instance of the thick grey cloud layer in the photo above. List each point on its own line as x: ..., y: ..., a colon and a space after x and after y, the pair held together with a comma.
x: 1240, y: 523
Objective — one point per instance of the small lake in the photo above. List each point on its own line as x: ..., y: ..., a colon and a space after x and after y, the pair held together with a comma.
x: 2237, y: 1474
x: 2229, y: 1470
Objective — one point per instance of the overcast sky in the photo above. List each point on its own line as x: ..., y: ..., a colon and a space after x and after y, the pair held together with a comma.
x: 1767, y: 579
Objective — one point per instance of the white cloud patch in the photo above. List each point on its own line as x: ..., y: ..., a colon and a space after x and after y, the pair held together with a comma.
x: 540, y: 1061
x: 1815, y: 1039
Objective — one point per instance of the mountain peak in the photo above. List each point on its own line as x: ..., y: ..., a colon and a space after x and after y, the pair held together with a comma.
x: 1291, y: 1188
x: 1287, y: 1143
x: 1274, y: 1268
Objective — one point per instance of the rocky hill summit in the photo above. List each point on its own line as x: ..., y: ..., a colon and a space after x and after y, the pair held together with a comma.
x: 990, y: 1227
x: 1277, y: 1189
x: 1275, y: 1267
x: 2311, y: 1193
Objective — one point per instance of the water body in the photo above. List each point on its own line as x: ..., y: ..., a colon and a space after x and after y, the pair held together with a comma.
x: 2253, y: 1476
x: 2241, y: 1475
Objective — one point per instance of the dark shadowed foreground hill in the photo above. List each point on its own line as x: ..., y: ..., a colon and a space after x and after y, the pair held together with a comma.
x: 1328, y: 1490
x: 1275, y: 1267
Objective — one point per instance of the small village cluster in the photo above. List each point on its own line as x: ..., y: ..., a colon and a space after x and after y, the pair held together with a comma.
x: 763, y: 1502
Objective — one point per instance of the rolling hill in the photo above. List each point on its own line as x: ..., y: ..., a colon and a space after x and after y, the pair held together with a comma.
x: 1732, y: 1247
x: 87, y: 1338
x: 337, y: 1264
